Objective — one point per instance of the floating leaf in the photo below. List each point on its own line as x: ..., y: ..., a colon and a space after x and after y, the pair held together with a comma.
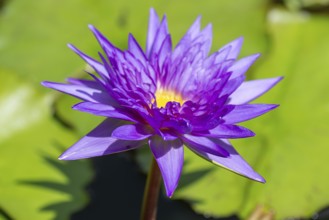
x: 298, y: 4
x: 34, y: 35
x: 33, y: 183
x: 290, y: 148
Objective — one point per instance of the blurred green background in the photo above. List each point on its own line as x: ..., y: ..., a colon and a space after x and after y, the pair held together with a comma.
x: 36, y: 124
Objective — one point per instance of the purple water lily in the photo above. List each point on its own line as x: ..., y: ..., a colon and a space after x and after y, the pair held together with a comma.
x: 168, y: 98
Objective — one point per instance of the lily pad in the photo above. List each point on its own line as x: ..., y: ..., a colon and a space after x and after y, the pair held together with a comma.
x: 34, y: 35
x: 298, y: 4
x: 33, y: 183
x: 290, y: 148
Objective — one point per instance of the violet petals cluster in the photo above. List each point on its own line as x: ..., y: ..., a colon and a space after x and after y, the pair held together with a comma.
x: 168, y: 97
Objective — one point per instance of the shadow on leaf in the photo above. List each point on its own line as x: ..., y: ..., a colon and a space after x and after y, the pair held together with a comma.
x: 76, y: 181
x: 192, y: 177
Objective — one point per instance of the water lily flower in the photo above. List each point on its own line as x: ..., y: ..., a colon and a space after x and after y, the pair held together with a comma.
x: 168, y: 98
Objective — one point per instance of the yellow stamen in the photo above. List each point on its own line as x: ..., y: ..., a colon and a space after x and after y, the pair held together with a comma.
x: 163, y: 96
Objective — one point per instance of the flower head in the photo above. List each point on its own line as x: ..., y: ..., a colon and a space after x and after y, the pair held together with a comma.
x: 168, y: 97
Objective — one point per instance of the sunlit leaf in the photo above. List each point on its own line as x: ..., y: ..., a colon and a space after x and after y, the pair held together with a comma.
x: 33, y: 183
x: 34, y: 35
x: 290, y: 148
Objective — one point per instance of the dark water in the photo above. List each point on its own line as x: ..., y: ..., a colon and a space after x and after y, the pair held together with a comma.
x: 117, y: 189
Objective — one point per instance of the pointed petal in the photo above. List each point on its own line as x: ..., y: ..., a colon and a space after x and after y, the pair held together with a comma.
x: 79, y: 91
x: 135, y: 49
x: 204, y: 144
x: 226, y: 131
x: 160, y: 36
x: 194, y: 30
x: 153, y: 26
x: 250, y: 90
x: 235, y: 47
x: 241, y: 66
x: 242, y: 113
x: 84, y: 82
x: 232, y: 85
x: 107, y: 46
x: 217, y: 57
x: 103, y: 110
x: 205, y: 40
x: 99, y: 142
x: 97, y: 66
x: 234, y: 162
x: 165, y: 51
x: 132, y: 132
x: 170, y: 157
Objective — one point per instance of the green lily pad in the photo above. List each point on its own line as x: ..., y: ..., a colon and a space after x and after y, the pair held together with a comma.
x: 33, y: 183
x: 298, y: 4
x: 290, y: 148
x: 34, y: 35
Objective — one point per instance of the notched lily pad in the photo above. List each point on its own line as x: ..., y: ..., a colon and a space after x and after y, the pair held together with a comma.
x: 290, y: 148
x: 34, y: 184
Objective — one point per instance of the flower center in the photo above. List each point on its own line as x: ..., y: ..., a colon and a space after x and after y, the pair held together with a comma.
x: 164, y: 96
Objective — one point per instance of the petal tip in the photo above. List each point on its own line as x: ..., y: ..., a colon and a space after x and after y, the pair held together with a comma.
x: 77, y: 106
x: 49, y: 84
x: 279, y: 79
x: 69, y: 155
x: 256, y: 177
x: 153, y: 14
x: 170, y: 193
x: 45, y: 83
x: 274, y: 106
x: 240, y: 39
x: 170, y: 189
x: 152, y: 11
x: 91, y: 27
x: 260, y: 179
x: 72, y: 47
x: 256, y: 56
x: 63, y: 157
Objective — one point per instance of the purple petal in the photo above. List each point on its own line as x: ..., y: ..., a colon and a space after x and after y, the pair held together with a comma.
x: 217, y: 57
x: 205, y: 40
x: 167, y: 135
x: 204, y: 144
x: 107, y: 46
x: 103, y: 110
x: 226, y: 131
x: 132, y: 132
x: 170, y: 158
x: 81, y: 92
x: 84, y: 82
x: 234, y: 162
x: 135, y: 49
x: 250, y: 90
x: 235, y: 47
x: 186, y: 40
x: 194, y: 30
x: 242, y: 113
x: 99, y: 142
x: 241, y: 66
x: 165, y: 51
x: 153, y: 26
x: 160, y: 36
x: 97, y: 66
x: 232, y: 85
